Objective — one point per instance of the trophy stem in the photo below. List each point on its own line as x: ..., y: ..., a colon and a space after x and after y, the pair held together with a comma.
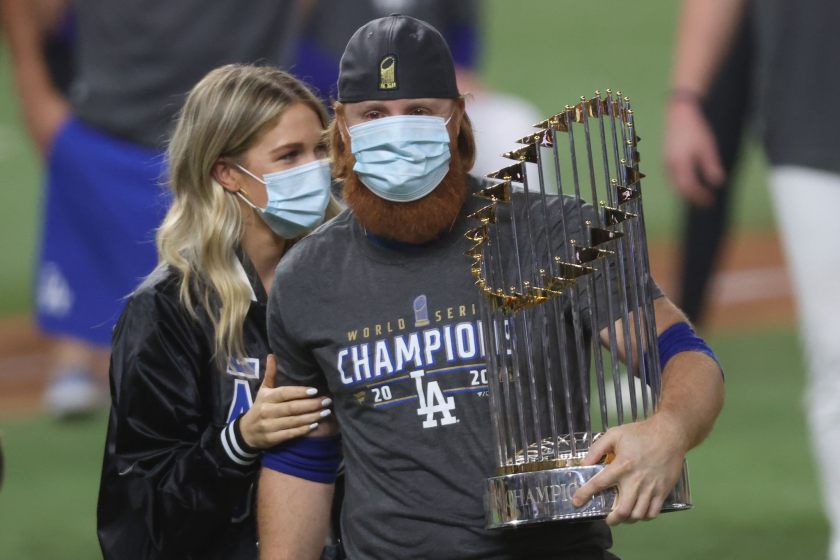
x: 535, y: 410
x: 558, y: 318
x: 558, y: 306
x: 549, y: 389
x: 622, y: 294
x: 575, y: 307
x: 501, y: 336
x: 625, y: 244
x: 490, y: 355
x: 648, y: 296
x: 650, y: 370
x: 527, y: 316
x: 511, y: 334
x: 596, y: 340
x: 590, y: 284
x: 607, y: 285
x: 637, y: 282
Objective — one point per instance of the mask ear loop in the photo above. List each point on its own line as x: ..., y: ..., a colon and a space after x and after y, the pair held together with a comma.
x: 248, y: 202
x: 251, y: 174
x: 452, y: 114
x: 239, y: 194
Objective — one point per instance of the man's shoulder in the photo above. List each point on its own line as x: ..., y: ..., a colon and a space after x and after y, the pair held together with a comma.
x: 315, y: 252
x: 476, y: 183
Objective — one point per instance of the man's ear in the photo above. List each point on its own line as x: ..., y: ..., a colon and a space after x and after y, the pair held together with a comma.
x: 222, y: 172
x: 461, y: 103
x: 454, y: 125
x: 342, y: 127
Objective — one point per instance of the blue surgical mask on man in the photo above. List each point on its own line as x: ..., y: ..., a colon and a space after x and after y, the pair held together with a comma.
x: 297, y: 198
x: 401, y: 158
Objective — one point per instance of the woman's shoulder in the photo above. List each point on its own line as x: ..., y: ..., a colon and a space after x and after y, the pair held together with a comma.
x: 155, y: 322
x: 162, y: 284
x: 157, y: 299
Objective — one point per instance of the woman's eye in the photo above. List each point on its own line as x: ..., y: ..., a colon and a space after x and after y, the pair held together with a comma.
x: 420, y: 112
x: 373, y: 115
x: 288, y: 157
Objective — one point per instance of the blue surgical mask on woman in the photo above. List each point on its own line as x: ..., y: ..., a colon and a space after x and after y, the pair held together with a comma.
x: 401, y: 158
x: 297, y: 198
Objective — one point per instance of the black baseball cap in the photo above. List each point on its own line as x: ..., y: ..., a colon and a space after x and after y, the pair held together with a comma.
x: 396, y: 57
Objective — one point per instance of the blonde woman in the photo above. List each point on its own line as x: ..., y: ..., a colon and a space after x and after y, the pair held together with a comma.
x: 191, y: 379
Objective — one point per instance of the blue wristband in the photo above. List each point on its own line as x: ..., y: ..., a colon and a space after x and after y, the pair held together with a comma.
x: 681, y: 338
x: 314, y: 459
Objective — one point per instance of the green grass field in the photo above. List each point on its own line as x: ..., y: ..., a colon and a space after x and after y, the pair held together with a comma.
x: 549, y: 51
x: 747, y: 503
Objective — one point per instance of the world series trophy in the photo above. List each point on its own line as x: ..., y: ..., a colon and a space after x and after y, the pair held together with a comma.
x: 548, y: 267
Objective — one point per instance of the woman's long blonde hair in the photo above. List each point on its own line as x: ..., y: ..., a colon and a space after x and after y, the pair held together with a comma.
x: 225, y: 114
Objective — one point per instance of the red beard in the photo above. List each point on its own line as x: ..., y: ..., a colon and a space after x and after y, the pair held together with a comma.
x: 418, y: 221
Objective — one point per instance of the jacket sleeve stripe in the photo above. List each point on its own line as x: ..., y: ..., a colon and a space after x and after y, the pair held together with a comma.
x: 233, y: 457
x: 236, y: 447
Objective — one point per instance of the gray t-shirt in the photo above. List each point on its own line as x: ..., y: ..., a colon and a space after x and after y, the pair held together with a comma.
x: 137, y: 59
x: 797, y: 77
x: 396, y: 338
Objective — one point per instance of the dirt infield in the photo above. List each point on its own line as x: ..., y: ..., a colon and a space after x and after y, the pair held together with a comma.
x: 750, y: 293
x: 751, y: 290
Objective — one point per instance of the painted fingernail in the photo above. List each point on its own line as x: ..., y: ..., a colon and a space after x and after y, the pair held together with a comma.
x: 313, y: 425
x: 326, y: 412
x: 326, y: 402
x: 312, y: 391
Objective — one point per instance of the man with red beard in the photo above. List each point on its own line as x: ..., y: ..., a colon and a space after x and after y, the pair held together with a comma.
x: 379, y: 309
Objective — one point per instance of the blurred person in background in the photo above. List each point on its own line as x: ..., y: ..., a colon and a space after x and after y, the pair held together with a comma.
x: 103, y: 147
x: 193, y: 397
x: 496, y: 117
x: 797, y: 72
x: 41, y: 36
x: 707, y: 185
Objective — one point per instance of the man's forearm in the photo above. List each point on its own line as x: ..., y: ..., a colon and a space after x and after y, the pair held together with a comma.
x: 692, y: 395
x: 44, y: 108
x: 705, y: 31
x: 25, y: 36
x: 692, y: 384
x: 293, y: 516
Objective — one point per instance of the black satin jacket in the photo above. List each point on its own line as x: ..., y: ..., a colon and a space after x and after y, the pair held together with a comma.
x: 174, y: 482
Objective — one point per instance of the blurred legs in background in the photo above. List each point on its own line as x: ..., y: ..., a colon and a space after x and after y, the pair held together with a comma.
x: 79, y: 378
x: 79, y: 370
x: 726, y: 109
x: 806, y: 202
x: 41, y: 36
x: 103, y: 205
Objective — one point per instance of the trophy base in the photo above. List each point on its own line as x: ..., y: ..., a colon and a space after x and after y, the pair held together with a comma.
x: 537, y: 497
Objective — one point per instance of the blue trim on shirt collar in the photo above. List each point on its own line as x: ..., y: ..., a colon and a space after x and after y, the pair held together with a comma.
x: 394, y: 245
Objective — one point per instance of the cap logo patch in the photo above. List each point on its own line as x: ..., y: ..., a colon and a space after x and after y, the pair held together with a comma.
x: 388, y: 72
